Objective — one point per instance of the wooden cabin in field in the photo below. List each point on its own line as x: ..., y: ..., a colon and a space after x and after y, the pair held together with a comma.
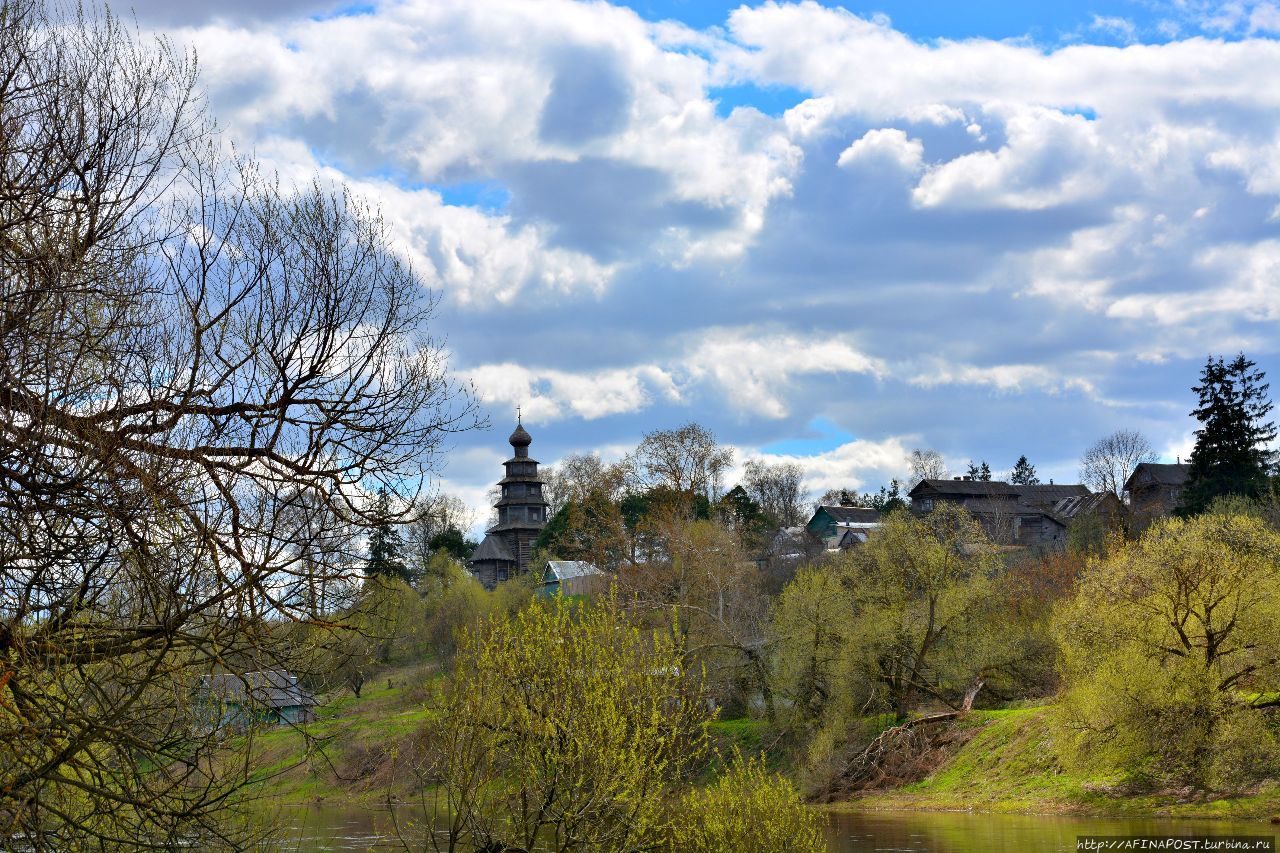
x: 236, y: 702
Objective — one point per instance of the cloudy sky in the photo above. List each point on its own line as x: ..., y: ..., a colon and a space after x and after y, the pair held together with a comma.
x: 827, y: 233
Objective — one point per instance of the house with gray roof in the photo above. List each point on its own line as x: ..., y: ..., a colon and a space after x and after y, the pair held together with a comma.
x: 235, y: 701
x: 844, y: 525
x: 1155, y: 490
x: 1013, y: 514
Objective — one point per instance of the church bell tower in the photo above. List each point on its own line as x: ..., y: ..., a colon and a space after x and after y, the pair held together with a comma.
x: 522, y: 513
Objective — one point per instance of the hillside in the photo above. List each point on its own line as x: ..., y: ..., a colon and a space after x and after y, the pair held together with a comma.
x: 1010, y: 766
x: 360, y: 750
x: 357, y: 751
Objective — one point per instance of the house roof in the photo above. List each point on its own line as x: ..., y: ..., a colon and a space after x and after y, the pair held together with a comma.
x: 851, y: 537
x: 492, y: 548
x: 1158, y: 474
x: 563, y: 570
x: 787, y: 541
x: 1050, y: 492
x: 976, y: 488
x: 851, y: 514
x: 1077, y: 505
x: 1036, y: 494
x: 1001, y: 506
x: 273, y: 688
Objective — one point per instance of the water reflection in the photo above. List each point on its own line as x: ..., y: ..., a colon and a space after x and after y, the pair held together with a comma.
x: 329, y: 828
x: 950, y: 832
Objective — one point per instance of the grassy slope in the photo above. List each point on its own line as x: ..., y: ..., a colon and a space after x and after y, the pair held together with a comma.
x: 1010, y: 766
x: 354, y: 753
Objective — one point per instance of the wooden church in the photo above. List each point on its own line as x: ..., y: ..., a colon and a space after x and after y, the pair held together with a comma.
x: 522, y: 513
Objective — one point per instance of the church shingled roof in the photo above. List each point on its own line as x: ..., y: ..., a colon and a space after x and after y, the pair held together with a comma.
x: 492, y: 548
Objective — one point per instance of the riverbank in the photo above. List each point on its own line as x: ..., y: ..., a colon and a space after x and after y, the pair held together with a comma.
x: 360, y: 752
x: 1010, y: 767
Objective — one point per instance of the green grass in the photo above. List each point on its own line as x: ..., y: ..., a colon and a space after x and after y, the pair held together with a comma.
x: 1011, y: 766
x: 354, y: 751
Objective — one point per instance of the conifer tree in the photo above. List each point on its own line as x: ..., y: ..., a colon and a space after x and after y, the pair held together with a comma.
x: 1231, y: 456
x: 979, y: 472
x: 385, y: 544
x: 1023, y: 473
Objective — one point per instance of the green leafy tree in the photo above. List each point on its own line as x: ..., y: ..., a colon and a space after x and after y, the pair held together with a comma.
x: 452, y: 542
x: 1169, y: 654
x: 810, y: 630
x: 741, y: 513
x: 924, y: 607
x: 886, y: 500
x: 563, y: 729
x: 386, y: 546
x: 747, y: 808
x: 1023, y: 473
x: 592, y: 528
x: 1231, y: 455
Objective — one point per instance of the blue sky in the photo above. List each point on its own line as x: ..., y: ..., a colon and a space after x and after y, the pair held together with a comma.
x: 831, y: 234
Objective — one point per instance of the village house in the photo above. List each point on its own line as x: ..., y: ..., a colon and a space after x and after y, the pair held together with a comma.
x: 522, y: 513
x: 844, y: 525
x: 234, y: 702
x: 1155, y: 491
x: 1012, y: 514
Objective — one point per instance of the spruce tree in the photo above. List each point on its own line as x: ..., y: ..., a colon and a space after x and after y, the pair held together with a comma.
x: 1230, y: 455
x: 1023, y: 473
x: 385, y: 544
x: 979, y: 472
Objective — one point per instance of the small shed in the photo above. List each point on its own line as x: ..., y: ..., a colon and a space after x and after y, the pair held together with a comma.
x: 571, y: 577
x: 233, y: 701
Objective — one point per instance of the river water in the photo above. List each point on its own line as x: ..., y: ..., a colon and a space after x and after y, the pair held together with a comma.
x: 329, y: 828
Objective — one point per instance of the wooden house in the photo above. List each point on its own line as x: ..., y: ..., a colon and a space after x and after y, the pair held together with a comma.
x: 1012, y: 514
x: 1154, y: 490
x: 236, y: 702
x: 842, y: 526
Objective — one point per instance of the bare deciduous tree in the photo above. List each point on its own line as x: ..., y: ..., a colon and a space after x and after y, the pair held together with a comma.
x: 579, y: 475
x: 926, y: 465
x: 204, y: 376
x: 686, y: 460
x: 778, y: 489
x: 1109, y: 461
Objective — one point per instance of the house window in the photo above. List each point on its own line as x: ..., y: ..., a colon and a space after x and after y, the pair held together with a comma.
x: 926, y: 504
x: 502, y: 573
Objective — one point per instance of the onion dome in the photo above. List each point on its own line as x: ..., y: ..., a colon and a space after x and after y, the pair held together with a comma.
x: 520, y: 440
